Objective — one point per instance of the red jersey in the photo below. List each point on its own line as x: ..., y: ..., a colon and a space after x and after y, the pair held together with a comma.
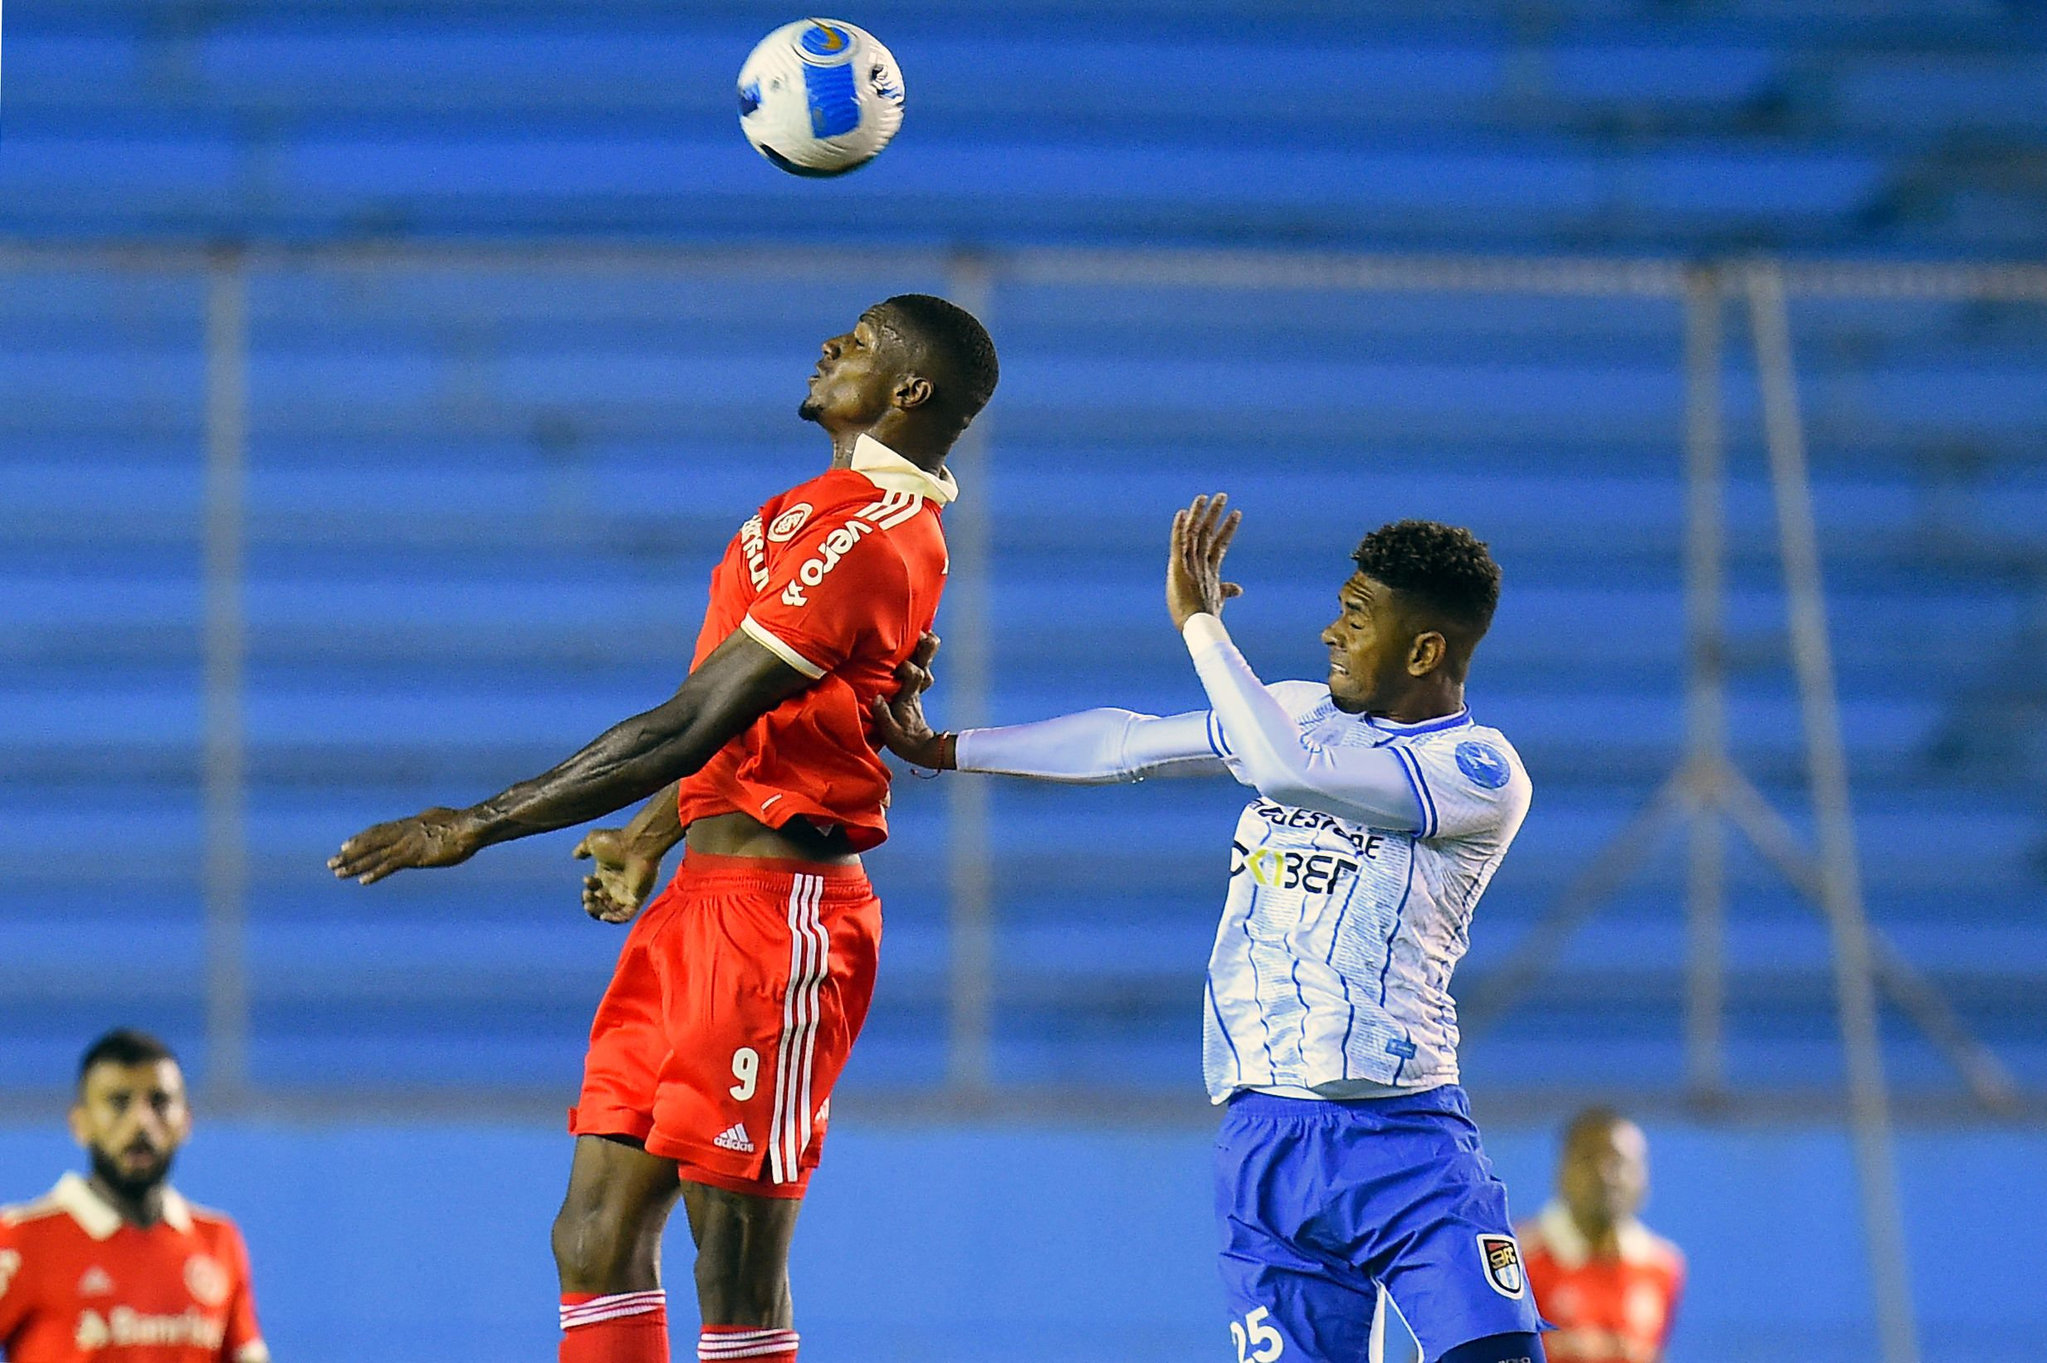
x: 1606, y: 1310
x: 80, y: 1285
x: 838, y: 577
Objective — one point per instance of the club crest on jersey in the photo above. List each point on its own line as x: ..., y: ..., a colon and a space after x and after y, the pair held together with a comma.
x: 1502, y: 1256
x: 784, y: 527
x: 1484, y: 764
x: 206, y: 1279
x: 835, y: 547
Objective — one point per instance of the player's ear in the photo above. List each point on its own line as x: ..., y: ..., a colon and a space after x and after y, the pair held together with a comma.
x: 75, y: 1119
x: 911, y: 391
x: 1426, y: 654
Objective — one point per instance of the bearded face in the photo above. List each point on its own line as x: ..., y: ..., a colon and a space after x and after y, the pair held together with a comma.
x: 131, y: 1119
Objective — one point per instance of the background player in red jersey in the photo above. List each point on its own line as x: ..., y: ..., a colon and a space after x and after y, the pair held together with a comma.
x: 1607, y: 1283
x: 115, y: 1266
x: 742, y: 986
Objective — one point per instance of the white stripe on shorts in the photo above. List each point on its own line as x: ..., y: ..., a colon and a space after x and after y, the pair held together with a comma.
x: 809, y: 959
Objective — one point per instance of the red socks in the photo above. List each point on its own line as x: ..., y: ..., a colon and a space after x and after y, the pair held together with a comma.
x: 745, y: 1344
x: 625, y: 1327
x: 632, y: 1327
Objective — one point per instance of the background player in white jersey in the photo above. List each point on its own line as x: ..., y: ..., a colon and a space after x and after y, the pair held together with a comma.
x: 1349, y: 1174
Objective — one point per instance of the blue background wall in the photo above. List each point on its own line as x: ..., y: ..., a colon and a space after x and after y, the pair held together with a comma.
x: 466, y: 471
x: 1047, y: 1241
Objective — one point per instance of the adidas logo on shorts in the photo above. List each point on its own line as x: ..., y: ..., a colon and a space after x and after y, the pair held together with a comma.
x: 734, y: 1138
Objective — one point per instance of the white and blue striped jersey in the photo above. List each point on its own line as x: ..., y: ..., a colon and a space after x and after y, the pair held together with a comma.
x: 1330, y: 974
x: 1353, y: 876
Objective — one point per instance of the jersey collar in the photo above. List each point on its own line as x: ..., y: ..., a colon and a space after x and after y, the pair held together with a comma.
x: 1560, y: 1234
x: 891, y: 472
x: 1427, y: 726
x: 97, y: 1218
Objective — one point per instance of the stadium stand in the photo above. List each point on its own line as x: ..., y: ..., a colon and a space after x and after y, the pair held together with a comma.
x: 483, y: 499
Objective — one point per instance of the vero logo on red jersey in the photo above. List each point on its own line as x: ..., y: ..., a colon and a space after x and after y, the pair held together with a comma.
x: 835, y: 547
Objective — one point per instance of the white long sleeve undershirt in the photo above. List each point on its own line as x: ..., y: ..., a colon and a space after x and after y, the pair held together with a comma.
x: 1094, y: 747
x: 1249, y: 733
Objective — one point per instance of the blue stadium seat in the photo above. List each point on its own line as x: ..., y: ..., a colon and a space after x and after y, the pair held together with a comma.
x: 482, y: 497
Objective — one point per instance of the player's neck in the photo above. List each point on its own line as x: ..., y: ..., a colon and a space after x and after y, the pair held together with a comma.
x: 144, y: 1210
x: 1602, y: 1237
x: 1433, y: 700
x: 917, y: 445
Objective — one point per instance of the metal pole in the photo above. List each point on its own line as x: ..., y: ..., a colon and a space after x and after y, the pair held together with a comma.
x: 226, y: 855
x: 1622, y: 855
x: 1976, y: 1063
x: 1840, y: 875
x: 1706, y: 690
x: 971, y: 986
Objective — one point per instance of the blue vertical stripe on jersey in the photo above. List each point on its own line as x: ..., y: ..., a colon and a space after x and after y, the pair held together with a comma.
x: 1399, y: 913
x: 1336, y: 935
x: 1301, y: 994
x: 1421, y: 801
x: 1257, y: 994
x: 1208, y: 988
x: 1413, y: 767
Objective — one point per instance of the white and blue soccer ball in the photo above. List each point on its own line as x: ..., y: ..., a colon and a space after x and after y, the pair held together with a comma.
x: 820, y: 97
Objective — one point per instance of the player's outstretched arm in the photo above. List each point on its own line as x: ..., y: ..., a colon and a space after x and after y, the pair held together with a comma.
x: 1092, y: 747
x: 738, y: 683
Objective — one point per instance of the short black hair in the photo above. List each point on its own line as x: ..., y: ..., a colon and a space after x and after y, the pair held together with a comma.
x: 123, y: 1046
x: 1595, y: 1120
x: 960, y: 341
x: 1445, y: 568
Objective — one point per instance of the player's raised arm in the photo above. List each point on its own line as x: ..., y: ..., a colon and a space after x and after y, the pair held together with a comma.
x: 739, y: 682
x: 1370, y: 785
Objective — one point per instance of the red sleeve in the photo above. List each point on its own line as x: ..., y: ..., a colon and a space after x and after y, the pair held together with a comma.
x: 1676, y: 1288
x: 243, y: 1342
x: 839, y: 587
x: 13, y: 1292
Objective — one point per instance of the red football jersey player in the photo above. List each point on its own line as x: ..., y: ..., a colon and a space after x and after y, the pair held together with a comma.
x: 741, y: 987
x: 1607, y: 1282
x: 117, y: 1267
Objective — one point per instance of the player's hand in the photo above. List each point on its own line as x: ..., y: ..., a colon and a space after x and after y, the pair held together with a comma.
x: 1201, y: 536
x: 432, y: 837
x: 620, y: 879
x: 899, y: 720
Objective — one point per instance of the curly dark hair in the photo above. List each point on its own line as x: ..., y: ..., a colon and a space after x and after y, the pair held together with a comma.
x: 959, y: 341
x: 1445, y: 568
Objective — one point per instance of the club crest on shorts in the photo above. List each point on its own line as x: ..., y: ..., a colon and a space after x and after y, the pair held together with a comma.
x: 1503, y: 1264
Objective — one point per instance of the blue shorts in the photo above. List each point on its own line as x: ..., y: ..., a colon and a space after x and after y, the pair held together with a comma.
x: 1324, y: 1206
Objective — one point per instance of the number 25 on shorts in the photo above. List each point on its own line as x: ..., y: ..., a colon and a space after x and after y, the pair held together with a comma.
x: 746, y: 1068
x: 1257, y: 1342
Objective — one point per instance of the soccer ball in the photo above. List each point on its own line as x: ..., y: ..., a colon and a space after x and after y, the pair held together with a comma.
x: 820, y: 97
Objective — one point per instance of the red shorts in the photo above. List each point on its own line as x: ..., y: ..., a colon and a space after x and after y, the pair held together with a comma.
x: 734, y: 1006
